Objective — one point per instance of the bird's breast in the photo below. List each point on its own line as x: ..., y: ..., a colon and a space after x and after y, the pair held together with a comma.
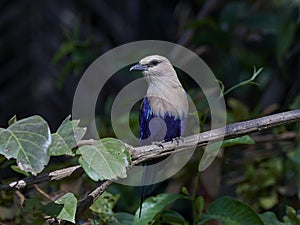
x: 176, y: 106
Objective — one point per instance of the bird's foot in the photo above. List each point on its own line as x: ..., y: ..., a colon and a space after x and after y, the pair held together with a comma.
x: 177, y: 140
x: 159, y: 143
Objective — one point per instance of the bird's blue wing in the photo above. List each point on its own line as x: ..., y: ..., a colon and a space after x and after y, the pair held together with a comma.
x: 144, y: 119
x: 154, y: 128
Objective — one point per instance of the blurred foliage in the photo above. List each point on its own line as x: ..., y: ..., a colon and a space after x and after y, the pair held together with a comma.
x: 74, y: 53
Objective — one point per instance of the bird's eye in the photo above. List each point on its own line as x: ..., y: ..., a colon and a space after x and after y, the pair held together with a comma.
x: 154, y: 63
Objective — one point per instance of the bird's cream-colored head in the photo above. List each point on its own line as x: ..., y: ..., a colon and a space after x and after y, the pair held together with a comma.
x: 157, y: 69
x: 165, y: 92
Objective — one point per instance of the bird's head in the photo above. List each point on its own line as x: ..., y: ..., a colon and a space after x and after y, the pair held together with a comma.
x: 155, y: 67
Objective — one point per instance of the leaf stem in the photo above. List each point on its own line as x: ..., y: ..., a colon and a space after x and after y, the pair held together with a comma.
x: 249, y: 81
x: 194, y: 197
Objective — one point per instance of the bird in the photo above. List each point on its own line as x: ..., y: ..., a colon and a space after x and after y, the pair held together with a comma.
x: 163, y: 111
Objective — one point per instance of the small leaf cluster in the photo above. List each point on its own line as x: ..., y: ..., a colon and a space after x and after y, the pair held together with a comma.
x: 30, y: 143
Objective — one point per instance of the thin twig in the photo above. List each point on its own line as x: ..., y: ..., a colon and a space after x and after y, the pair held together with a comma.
x: 42, y: 192
x: 42, y: 178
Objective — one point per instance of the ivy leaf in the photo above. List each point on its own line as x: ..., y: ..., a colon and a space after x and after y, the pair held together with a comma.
x: 105, y: 203
x: 106, y: 159
x: 33, y: 207
x: 63, y: 208
x: 68, y: 211
x: 229, y: 211
x: 27, y: 141
x: 152, y: 207
x: 66, y: 137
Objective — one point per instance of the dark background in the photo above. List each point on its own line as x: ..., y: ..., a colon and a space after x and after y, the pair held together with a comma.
x: 231, y: 36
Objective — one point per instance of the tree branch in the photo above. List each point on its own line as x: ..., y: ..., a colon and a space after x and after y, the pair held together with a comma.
x: 238, y: 129
x: 85, y: 203
x: 42, y: 178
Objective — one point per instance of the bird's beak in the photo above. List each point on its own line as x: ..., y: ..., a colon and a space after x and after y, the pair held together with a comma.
x: 139, y: 67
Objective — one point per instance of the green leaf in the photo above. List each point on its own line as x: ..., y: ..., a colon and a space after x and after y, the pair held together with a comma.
x: 33, y: 207
x: 292, y: 217
x: 231, y: 212
x: 12, y: 120
x: 238, y: 110
x: 122, y: 219
x: 284, y: 38
x: 269, y: 201
x: 294, y: 157
x: 65, y: 48
x: 295, y: 103
x: 199, y: 202
x: 106, y: 159
x: 63, y: 208
x: 185, y: 191
x: 27, y: 141
x: 66, y: 137
x: 105, y: 203
x: 244, y: 140
x: 173, y: 218
x: 18, y: 170
x: 152, y: 207
x: 270, y: 218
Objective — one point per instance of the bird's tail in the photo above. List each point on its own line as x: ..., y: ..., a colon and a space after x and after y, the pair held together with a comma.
x: 148, y: 177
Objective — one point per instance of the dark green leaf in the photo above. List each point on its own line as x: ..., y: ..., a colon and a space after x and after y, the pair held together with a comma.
x: 266, y: 22
x: 106, y: 159
x: 152, y: 207
x: 122, y: 219
x: 33, y: 206
x: 270, y: 218
x: 18, y: 170
x: 185, y: 191
x: 294, y: 156
x: 199, y: 204
x: 28, y: 141
x: 292, y: 216
x: 66, y: 137
x: 285, y: 38
x: 231, y: 212
x: 238, y: 110
x: 52, y: 209
x: 173, y: 218
x: 206, y: 22
x: 105, y: 203
x: 244, y: 140
x: 65, y: 48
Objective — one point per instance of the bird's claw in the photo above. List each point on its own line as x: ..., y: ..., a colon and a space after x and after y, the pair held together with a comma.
x: 177, y: 140
x: 159, y: 143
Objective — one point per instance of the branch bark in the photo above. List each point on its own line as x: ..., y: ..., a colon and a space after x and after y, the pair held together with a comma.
x: 238, y: 129
x: 42, y: 178
x: 144, y: 153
